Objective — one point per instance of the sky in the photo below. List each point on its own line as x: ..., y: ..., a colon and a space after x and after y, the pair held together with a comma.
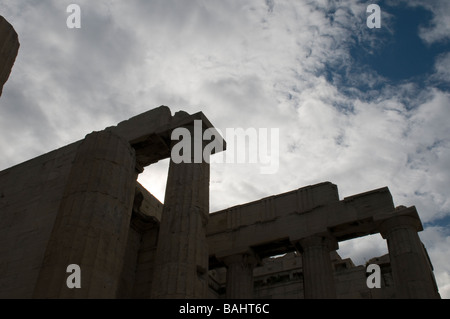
x: 361, y: 107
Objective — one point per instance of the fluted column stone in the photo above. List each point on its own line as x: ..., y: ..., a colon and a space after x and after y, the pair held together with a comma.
x: 181, y: 263
x: 318, y: 274
x: 92, y: 224
x: 240, y: 275
x: 411, y: 269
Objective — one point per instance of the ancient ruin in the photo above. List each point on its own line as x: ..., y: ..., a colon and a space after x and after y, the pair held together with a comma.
x: 9, y: 47
x: 81, y: 204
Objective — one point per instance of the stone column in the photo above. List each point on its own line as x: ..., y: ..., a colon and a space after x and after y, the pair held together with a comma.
x: 93, y: 220
x: 411, y: 269
x: 318, y: 274
x: 9, y: 47
x: 181, y: 262
x: 240, y: 275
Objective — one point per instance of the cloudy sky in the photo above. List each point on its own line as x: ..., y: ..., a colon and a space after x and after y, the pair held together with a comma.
x: 363, y: 108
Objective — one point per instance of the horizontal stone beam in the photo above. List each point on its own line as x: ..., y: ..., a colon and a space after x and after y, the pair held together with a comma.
x: 270, y: 208
x: 150, y: 133
x: 292, y: 216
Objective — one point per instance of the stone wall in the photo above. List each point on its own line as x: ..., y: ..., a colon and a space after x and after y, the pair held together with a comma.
x: 30, y: 196
x: 137, y: 274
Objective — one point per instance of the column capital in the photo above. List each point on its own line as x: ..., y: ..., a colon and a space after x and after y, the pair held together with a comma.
x: 240, y: 274
x: 318, y: 277
x: 408, y: 220
x: 411, y: 268
x: 247, y: 258
x: 317, y: 240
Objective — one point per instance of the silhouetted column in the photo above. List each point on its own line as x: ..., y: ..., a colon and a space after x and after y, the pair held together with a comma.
x: 9, y: 47
x: 240, y: 275
x: 181, y: 263
x: 318, y: 275
x: 410, y: 266
x: 93, y: 220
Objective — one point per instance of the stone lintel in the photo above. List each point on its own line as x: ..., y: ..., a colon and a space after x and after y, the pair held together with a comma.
x: 150, y: 149
x: 183, y: 119
x: 237, y: 254
x: 150, y: 133
x: 144, y: 124
x: 368, y: 193
x: 268, y: 209
x: 324, y: 239
x: 249, y: 256
x: 350, y: 218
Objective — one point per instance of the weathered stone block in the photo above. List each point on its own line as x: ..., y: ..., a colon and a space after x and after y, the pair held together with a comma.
x: 9, y: 47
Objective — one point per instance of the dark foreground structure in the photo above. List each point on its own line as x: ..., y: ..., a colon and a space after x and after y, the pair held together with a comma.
x: 82, y: 205
x: 9, y: 47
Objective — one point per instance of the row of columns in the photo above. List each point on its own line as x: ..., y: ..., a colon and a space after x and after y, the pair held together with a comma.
x: 181, y: 268
x: 92, y: 227
x: 317, y: 269
x: 411, y: 270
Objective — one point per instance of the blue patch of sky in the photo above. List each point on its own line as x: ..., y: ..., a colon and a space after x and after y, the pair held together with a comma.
x: 398, y: 56
x: 439, y: 222
x: 405, y: 56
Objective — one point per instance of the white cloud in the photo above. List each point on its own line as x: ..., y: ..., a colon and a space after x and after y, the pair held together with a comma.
x: 442, y: 68
x: 437, y: 241
x: 440, y: 24
x: 361, y: 250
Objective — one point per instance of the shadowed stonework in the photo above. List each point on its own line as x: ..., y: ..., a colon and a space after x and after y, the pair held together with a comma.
x: 82, y: 204
x: 9, y: 47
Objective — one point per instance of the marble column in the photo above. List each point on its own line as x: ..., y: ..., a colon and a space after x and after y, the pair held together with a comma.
x: 318, y: 274
x: 93, y: 220
x: 240, y: 275
x: 181, y: 262
x: 411, y: 269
